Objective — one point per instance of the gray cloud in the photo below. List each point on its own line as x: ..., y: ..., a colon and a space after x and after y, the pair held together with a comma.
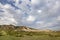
x: 45, y: 13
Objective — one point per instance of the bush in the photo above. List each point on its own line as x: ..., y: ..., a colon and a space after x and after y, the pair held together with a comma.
x: 19, y: 35
x: 3, y: 33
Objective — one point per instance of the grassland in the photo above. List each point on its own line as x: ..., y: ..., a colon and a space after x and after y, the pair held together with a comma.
x: 30, y: 36
x: 15, y: 33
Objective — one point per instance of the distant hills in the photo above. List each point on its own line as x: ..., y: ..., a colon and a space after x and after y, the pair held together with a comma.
x: 21, y: 28
x: 20, y: 31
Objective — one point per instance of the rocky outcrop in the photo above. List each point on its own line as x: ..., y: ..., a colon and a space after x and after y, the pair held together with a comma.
x: 21, y: 28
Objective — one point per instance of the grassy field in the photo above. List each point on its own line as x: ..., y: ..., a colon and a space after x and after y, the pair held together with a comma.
x: 44, y: 37
x: 30, y: 36
x: 10, y: 32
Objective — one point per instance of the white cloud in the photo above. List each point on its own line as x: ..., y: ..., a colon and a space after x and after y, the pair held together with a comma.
x: 6, y: 16
x: 30, y: 18
x: 10, y: 15
x: 7, y: 6
x: 49, y: 10
x: 48, y: 24
x: 58, y: 18
x: 17, y: 1
x: 7, y: 20
x: 44, y: 24
x: 39, y: 11
x: 34, y: 1
x: 40, y: 22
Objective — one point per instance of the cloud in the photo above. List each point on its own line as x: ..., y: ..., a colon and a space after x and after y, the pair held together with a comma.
x: 39, y: 11
x: 58, y: 18
x: 49, y: 13
x: 7, y: 6
x: 34, y: 1
x: 7, y: 20
x: 41, y: 14
x: 30, y: 18
x: 13, y: 11
x: 5, y: 16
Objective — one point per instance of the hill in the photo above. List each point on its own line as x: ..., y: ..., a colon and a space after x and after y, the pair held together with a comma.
x: 11, y: 32
x: 21, y: 28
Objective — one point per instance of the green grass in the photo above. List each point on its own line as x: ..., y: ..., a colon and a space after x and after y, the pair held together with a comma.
x: 44, y: 37
x: 8, y: 32
x: 22, y: 35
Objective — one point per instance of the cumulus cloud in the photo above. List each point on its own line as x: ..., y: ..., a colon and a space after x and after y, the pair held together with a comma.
x: 40, y: 14
x: 30, y: 18
x: 13, y: 11
x: 34, y: 1
x: 58, y: 18
x: 6, y: 17
x: 48, y: 12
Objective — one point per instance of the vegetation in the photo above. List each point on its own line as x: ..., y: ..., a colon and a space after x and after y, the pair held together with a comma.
x: 10, y: 32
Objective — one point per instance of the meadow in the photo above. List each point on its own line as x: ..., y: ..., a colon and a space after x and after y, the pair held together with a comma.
x: 15, y: 33
x: 29, y: 36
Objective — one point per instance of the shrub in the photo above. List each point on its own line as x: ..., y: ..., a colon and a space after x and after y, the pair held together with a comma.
x: 3, y: 33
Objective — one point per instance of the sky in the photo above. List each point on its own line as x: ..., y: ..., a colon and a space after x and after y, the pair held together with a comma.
x: 39, y: 14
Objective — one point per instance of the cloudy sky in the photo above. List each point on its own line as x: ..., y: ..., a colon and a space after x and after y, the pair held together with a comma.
x: 40, y: 14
